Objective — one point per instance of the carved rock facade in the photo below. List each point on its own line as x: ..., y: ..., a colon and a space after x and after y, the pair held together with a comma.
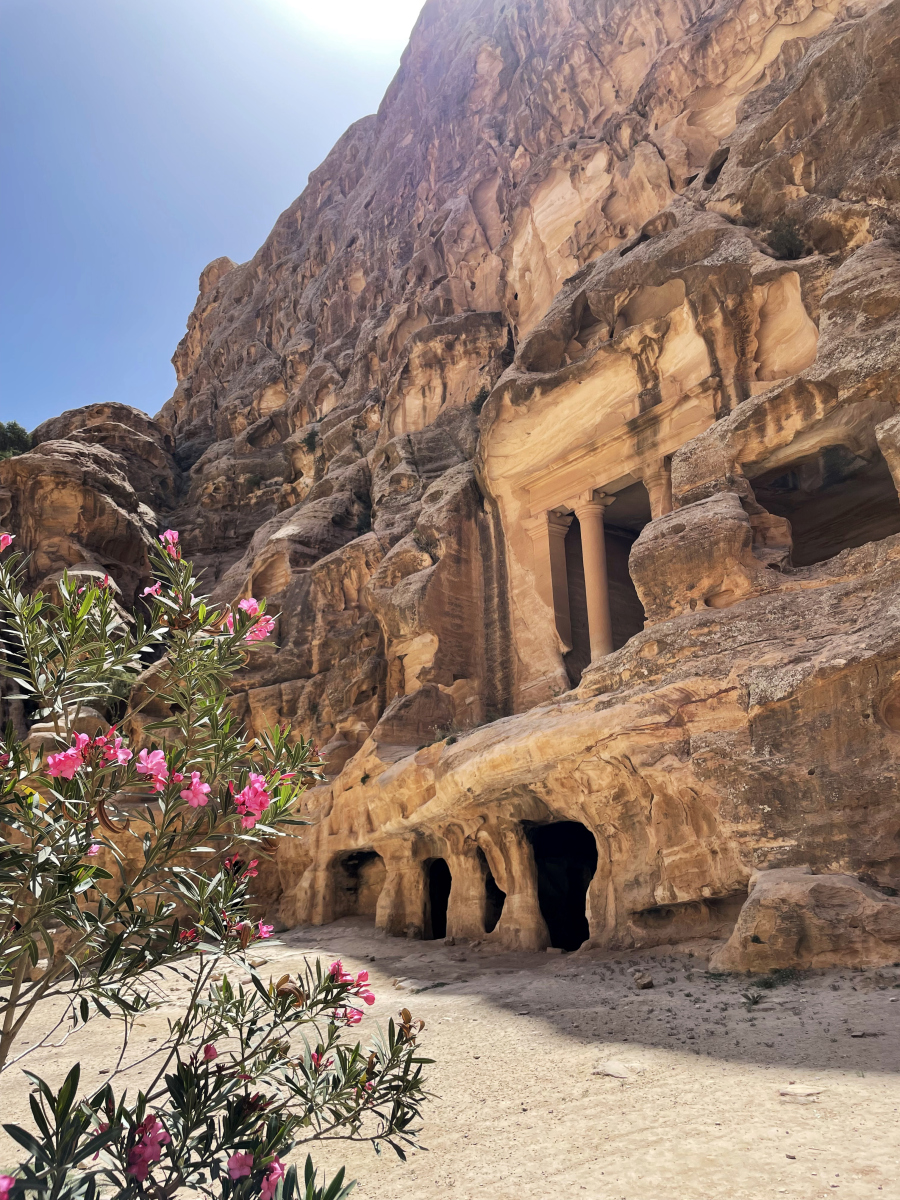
x: 558, y: 421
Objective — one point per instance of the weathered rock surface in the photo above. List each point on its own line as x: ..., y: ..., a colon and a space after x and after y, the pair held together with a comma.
x: 597, y: 320
x: 793, y: 918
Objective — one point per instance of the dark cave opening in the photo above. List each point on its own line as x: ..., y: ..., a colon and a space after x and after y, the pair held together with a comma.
x: 565, y: 855
x: 439, y: 883
x: 625, y: 519
x: 834, y: 499
x: 494, y: 898
x: 359, y: 878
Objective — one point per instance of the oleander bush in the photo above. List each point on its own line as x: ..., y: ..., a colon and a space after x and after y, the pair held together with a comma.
x: 128, y: 850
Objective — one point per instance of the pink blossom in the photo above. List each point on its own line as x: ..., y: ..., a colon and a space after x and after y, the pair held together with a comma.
x: 6, y: 540
x: 253, y: 801
x: 6, y: 1181
x: 67, y: 762
x: 210, y: 1053
x: 240, y: 1164
x: 236, y: 866
x: 249, y: 606
x: 337, y: 972
x: 196, y: 792
x: 116, y: 750
x: 152, y: 763
x: 352, y: 1016
x: 317, y: 1064
x: 153, y: 591
x: 229, y: 622
x: 187, y: 936
x: 362, y: 977
x: 368, y: 997
x: 4, y: 760
x: 94, y: 848
x: 261, y: 630
x: 265, y: 931
x: 272, y: 1178
x: 151, y: 1136
x: 169, y: 540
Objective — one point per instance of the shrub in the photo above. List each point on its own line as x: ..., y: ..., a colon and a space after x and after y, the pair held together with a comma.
x: 13, y: 439
x: 250, y: 1069
x: 786, y: 239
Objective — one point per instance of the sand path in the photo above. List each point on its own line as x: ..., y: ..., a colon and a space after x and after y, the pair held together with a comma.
x: 692, y: 1109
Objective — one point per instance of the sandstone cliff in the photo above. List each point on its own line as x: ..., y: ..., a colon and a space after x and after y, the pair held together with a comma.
x: 558, y: 422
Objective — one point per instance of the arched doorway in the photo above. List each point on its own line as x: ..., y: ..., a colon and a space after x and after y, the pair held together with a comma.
x: 565, y: 855
x: 358, y: 880
x: 494, y: 897
x: 439, y: 883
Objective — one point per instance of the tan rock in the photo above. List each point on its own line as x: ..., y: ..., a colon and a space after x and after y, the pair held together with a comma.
x: 794, y: 918
x: 557, y: 421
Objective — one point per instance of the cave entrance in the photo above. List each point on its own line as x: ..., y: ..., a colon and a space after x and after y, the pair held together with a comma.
x: 494, y: 897
x: 565, y: 855
x: 624, y: 520
x: 439, y: 883
x: 358, y: 879
x: 834, y: 500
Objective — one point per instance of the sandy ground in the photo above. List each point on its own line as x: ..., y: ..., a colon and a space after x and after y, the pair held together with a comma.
x: 693, y: 1108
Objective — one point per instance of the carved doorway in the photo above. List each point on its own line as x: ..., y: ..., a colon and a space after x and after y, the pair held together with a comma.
x: 565, y: 855
x: 439, y: 883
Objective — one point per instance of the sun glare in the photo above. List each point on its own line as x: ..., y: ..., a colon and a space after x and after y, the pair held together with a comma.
x: 378, y: 24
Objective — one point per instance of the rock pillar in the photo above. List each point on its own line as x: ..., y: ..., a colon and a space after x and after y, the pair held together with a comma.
x: 658, y: 482
x: 589, y: 511
x: 548, y: 534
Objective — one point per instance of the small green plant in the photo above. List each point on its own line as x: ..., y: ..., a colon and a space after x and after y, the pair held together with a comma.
x: 786, y: 240
x: 310, y: 440
x: 13, y: 439
x: 751, y: 999
x: 252, y: 482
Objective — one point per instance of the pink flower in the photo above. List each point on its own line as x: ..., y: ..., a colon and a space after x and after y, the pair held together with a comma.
x: 6, y: 540
x: 94, y: 848
x: 272, y: 1178
x: 4, y: 760
x: 362, y: 977
x: 187, y: 936
x: 337, y: 972
x: 261, y: 630
x: 152, y: 763
x: 249, y: 606
x: 265, y: 931
x: 169, y: 540
x: 151, y: 1136
x: 253, y: 801
x: 240, y: 1164
x: 368, y: 997
x: 196, y: 792
x: 117, y: 751
x: 6, y: 1181
x: 153, y: 591
x: 66, y: 763
x: 229, y: 622
x: 352, y: 1016
x: 317, y: 1064
x: 210, y: 1053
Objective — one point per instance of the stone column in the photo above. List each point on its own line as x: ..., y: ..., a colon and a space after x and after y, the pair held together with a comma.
x: 589, y: 510
x: 548, y: 534
x: 657, y: 480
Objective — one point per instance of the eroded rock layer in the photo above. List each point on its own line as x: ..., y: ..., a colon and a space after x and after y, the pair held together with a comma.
x: 558, y: 422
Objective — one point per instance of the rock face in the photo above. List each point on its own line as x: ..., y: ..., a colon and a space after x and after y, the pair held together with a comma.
x: 558, y: 422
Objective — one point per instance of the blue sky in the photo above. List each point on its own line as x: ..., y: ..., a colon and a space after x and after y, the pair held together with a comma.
x: 141, y: 139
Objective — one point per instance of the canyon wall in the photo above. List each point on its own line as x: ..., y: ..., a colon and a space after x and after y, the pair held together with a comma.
x: 559, y: 422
